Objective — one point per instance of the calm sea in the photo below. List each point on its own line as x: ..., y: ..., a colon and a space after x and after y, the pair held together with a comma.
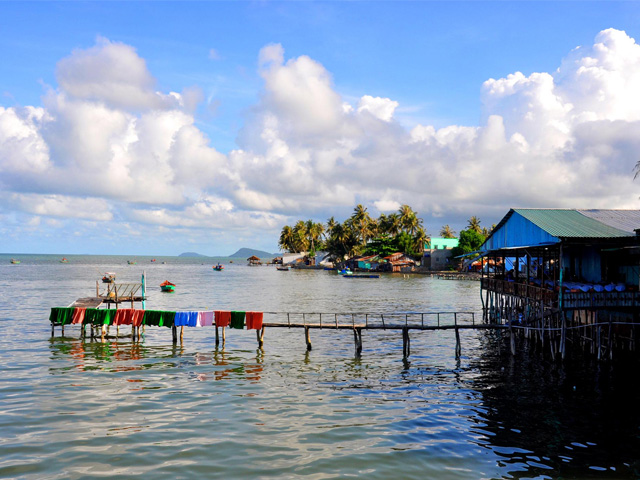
x: 79, y: 409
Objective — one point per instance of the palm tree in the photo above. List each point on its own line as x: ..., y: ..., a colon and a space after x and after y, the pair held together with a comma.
x: 474, y: 224
x: 419, y: 239
x: 361, y: 223
x: 315, y: 232
x: 406, y: 215
x: 446, y: 232
x: 286, y: 239
x: 300, y: 235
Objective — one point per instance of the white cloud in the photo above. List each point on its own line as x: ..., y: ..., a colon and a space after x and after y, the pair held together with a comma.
x: 381, y: 108
x: 65, y: 207
x: 106, y: 145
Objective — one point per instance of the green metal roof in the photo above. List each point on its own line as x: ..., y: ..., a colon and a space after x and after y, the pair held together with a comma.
x: 564, y: 223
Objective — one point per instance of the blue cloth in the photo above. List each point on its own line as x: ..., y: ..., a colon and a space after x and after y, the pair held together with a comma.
x: 192, y: 319
x: 186, y: 319
x: 181, y: 319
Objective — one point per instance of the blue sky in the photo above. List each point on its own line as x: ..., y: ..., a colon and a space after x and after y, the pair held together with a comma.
x: 414, y: 66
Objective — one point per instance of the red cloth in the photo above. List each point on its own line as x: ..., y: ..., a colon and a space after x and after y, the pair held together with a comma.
x: 78, y: 315
x: 123, y: 316
x: 136, y: 317
x: 223, y: 318
x: 254, y: 320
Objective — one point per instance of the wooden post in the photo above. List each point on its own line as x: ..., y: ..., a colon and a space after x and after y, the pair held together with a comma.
x: 52, y: 329
x: 260, y: 337
x: 174, y: 333
x: 357, y: 338
x: 217, y: 337
x: 307, y: 338
x: 458, y: 345
x: 563, y: 336
x: 406, y: 349
x: 181, y: 333
x: 224, y: 338
x: 512, y: 340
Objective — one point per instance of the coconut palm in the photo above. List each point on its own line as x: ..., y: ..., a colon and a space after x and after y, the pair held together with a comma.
x: 419, y: 239
x: 286, y: 239
x: 446, y: 232
x: 300, y: 236
x: 474, y: 224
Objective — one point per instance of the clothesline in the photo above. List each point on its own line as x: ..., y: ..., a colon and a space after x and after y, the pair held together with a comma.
x: 159, y: 318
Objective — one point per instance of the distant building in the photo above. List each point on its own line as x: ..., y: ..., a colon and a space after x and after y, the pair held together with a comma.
x: 437, y: 253
x: 398, y: 262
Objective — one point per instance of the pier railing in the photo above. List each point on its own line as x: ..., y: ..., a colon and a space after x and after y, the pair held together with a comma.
x: 570, y: 300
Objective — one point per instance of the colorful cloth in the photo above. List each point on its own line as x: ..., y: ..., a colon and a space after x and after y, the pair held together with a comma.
x: 90, y: 316
x: 61, y: 315
x: 237, y: 319
x: 136, y: 318
x: 159, y: 318
x: 223, y: 318
x: 78, y: 315
x: 123, y: 316
x: 104, y: 316
x: 186, y: 319
x: 254, y: 320
x: 205, y: 319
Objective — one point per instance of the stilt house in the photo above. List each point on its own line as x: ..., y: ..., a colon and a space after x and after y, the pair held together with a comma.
x: 576, y: 263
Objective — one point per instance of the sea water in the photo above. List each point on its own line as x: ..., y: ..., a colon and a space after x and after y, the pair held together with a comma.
x: 73, y: 408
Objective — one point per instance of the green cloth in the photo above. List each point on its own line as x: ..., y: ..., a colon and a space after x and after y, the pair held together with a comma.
x: 90, y: 316
x: 104, y: 316
x: 237, y: 320
x: 61, y: 315
x: 158, y: 318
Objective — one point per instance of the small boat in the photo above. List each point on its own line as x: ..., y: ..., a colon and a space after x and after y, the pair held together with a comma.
x: 132, y: 262
x: 345, y: 271
x: 218, y: 267
x: 282, y: 268
x: 14, y: 261
x: 109, y: 277
x: 64, y: 260
x: 361, y: 276
x: 153, y: 260
x: 167, y: 286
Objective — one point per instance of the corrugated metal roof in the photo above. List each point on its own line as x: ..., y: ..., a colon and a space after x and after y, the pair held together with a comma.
x: 564, y: 223
x: 626, y: 220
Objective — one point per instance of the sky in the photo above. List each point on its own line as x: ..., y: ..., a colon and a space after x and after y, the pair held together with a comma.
x: 154, y: 128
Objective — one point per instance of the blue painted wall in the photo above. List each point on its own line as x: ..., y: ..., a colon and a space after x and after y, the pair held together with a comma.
x: 518, y: 232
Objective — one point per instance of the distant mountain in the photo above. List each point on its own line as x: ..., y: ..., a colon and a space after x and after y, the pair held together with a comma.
x: 191, y: 254
x: 249, y: 252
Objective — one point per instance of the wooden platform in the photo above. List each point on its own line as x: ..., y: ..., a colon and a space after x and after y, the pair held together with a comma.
x: 88, y: 302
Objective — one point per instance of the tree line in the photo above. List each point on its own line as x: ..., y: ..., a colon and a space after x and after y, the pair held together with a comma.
x: 361, y: 234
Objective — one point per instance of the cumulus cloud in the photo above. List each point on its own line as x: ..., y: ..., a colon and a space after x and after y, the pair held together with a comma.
x: 106, y: 144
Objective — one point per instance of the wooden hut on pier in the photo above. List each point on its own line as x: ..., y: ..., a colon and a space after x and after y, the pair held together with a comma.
x: 254, y: 261
x: 565, y: 270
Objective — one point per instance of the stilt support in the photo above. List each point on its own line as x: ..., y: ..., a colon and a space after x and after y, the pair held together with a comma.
x: 307, y: 338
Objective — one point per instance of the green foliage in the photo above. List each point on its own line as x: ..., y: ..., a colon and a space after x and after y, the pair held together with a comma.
x: 397, y: 232
x: 469, y: 241
x: 383, y: 246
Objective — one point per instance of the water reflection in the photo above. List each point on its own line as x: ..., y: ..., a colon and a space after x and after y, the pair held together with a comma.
x: 543, y: 418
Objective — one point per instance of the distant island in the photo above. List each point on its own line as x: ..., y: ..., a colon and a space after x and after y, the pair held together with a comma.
x: 191, y: 254
x: 249, y: 252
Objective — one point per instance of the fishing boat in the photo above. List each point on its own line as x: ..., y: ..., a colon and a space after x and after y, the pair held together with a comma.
x: 132, y: 262
x: 282, y: 268
x: 345, y: 271
x: 218, y: 267
x: 14, y: 261
x: 64, y: 260
x: 167, y: 286
x: 153, y: 260
x: 361, y: 276
x: 109, y: 277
